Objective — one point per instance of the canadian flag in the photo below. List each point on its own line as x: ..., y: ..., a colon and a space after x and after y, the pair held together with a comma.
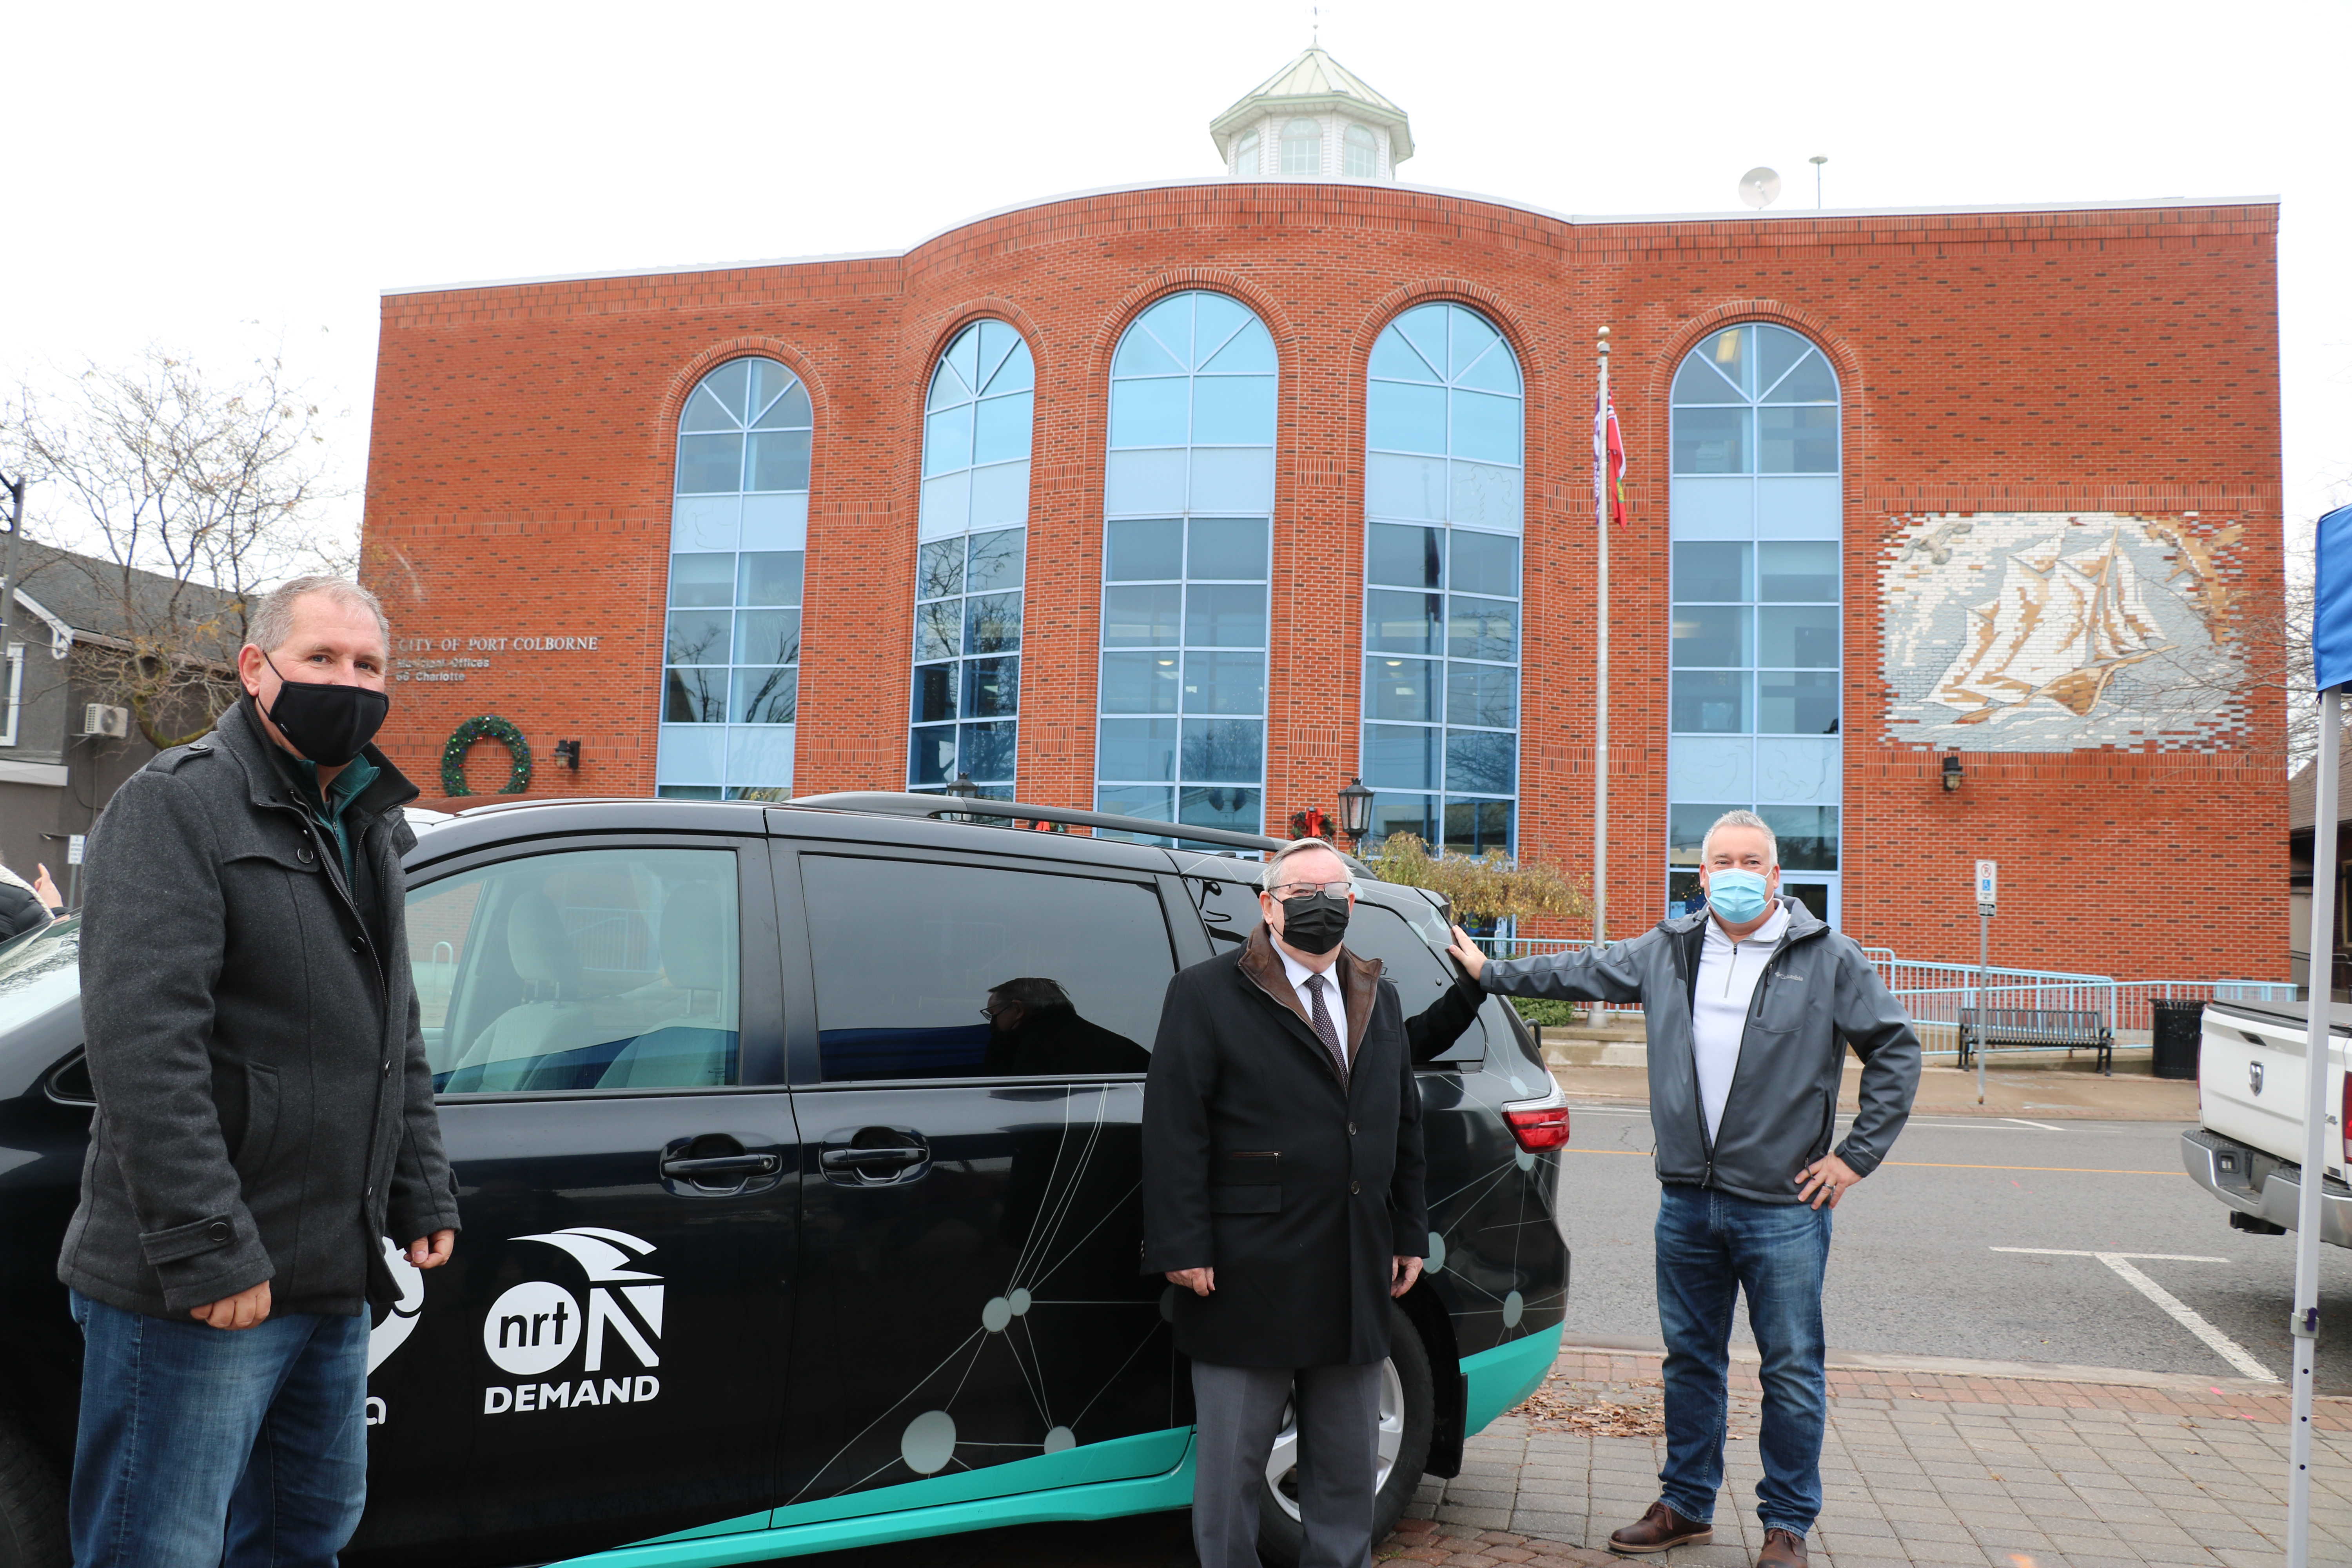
x: 1608, y: 462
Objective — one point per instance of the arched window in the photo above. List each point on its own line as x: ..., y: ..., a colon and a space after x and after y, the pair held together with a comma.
x: 1245, y: 155
x: 1756, y: 525
x: 739, y: 534
x: 969, y: 562
x: 1363, y: 154
x: 1302, y: 148
x: 1442, y: 492
x: 1189, y: 494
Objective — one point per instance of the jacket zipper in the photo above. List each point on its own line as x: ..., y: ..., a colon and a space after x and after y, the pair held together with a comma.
x: 1755, y: 1005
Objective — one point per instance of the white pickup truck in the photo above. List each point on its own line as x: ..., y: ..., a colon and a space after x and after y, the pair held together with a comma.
x: 2248, y: 1152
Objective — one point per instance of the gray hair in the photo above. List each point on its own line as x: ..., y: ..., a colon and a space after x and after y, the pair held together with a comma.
x: 1272, y: 875
x: 1743, y: 819
x: 273, y: 618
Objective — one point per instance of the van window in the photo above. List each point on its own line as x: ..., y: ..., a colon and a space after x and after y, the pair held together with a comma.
x: 1229, y: 907
x: 1420, y: 976
x: 596, y: 968
x: 927, y: 971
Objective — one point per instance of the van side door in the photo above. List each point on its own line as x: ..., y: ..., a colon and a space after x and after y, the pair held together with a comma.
x: 971, y: 1318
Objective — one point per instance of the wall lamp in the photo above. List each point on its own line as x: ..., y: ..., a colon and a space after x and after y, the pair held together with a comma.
x: 567, y: 754
x: 1952, y: 774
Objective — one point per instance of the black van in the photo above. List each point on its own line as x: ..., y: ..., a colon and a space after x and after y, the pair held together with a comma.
x: 769, y: 1248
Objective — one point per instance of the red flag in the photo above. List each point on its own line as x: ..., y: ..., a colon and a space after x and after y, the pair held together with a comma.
x: 1608, y: 462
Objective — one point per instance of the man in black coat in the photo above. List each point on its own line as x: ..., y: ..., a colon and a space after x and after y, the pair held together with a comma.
x: 265, y: 1134
x: 1281, y: 1194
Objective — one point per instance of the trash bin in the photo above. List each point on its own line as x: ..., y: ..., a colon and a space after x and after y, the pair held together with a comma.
x: 2180, y: 1025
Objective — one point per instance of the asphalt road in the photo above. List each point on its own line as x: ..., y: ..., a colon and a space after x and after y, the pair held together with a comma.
x: 1915, y: 1268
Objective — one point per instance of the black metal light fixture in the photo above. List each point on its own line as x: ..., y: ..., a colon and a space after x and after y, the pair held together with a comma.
x: 567, y: 754
x: 962, y: 789
x: 1951, y: 772
x: 1355, y: 811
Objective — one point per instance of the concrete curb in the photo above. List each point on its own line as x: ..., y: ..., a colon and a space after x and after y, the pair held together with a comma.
x: 1952, y: 1366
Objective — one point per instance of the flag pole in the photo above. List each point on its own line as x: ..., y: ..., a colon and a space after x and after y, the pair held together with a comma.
x: 1601, y: 716
x: 2304, y: 1324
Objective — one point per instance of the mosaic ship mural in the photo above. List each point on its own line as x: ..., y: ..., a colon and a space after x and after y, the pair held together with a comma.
x: 2059, y: 631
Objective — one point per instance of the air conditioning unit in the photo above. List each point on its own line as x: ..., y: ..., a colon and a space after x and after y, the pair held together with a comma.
x: 99, y: 719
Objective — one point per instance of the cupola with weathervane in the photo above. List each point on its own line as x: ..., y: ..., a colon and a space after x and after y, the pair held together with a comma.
x: 1313, y: 120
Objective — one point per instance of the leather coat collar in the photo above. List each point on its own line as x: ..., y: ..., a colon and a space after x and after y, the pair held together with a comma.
x: 1358, y: 982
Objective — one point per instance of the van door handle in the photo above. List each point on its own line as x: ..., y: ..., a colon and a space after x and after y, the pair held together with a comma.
x: 871, y: 1158
x: 721, y: 1166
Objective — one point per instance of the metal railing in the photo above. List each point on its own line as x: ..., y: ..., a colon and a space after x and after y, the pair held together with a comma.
x: 1934, y: 993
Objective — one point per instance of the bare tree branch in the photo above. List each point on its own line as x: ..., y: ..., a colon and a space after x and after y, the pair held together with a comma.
x: 192, y: 495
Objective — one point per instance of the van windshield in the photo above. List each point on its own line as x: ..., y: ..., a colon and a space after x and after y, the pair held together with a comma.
x: 39, y: 970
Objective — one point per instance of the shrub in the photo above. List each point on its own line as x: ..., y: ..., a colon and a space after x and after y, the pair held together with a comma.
x: 1489, y: 887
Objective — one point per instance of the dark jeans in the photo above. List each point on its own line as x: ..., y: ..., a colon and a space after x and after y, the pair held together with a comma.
x: 1711, y: 1246
x: 205, y: 1447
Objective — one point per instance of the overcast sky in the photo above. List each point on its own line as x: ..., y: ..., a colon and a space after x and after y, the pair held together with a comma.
x: 224, y: 179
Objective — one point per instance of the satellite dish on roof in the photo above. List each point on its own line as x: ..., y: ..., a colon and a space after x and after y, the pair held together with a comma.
x: 1760, y: 187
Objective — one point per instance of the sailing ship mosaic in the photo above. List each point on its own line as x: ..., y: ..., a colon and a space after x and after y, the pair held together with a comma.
x: 2060, y: 631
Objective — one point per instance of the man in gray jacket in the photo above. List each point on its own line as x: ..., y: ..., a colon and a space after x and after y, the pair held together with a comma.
x: 1749, y: 1008
x: 264, y: 1127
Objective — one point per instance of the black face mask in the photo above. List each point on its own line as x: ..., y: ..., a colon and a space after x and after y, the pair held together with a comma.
x: 1313, y: 923
x: 328, y: 724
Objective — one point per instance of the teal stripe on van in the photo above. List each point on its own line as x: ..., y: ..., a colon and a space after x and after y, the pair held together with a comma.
x: 1094, y: 1480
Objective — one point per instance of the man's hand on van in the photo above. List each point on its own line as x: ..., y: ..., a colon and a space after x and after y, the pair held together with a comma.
x: 1466, y: 954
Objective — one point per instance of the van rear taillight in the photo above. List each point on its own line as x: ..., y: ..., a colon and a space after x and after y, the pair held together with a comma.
x: 1539, y: 1129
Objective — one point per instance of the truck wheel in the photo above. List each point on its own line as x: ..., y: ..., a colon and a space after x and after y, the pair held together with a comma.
x: 32, y: 1505
x: 1408, y: 1422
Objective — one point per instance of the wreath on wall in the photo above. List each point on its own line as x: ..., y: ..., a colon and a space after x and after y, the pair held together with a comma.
x: 488, y: 727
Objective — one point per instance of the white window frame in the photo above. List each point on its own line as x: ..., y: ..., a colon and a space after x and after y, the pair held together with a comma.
x: 1754, y: 538
x: 16, y: 691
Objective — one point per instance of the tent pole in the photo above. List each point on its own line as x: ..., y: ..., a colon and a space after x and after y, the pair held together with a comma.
x: 2304, y: 1325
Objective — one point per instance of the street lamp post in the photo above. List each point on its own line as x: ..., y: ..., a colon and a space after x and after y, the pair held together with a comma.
x: 1355, y: 812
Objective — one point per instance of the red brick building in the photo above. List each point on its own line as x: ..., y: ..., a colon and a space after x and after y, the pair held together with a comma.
x: 1196, y: 500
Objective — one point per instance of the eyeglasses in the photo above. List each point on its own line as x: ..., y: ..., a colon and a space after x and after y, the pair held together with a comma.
x: 1301, y: 890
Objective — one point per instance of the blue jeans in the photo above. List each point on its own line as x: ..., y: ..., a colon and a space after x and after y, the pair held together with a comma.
x: 1711, y: 1246
x: 205, y: 1447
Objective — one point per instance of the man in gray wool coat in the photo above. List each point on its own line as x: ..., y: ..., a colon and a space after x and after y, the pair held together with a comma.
x: 264, y: 1147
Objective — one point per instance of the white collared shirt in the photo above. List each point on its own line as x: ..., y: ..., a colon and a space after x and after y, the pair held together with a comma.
x: 1727, y: 973
x: 1298, y: 974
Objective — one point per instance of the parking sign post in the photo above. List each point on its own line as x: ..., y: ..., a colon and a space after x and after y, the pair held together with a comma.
x: 1987, y: 894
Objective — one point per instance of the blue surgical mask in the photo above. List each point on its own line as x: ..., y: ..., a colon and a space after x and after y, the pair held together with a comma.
x: 1737, y: 896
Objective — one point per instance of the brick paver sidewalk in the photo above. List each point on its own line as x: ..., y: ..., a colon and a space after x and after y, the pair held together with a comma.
x: 1918, y: 1468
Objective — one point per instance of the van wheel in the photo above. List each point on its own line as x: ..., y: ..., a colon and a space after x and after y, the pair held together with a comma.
x: 32, y: 1505
x: 1408, y: 1422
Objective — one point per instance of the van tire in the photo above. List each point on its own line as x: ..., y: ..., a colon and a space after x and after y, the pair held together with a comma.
x: 32, y: 1505
x: 1281, y: 1539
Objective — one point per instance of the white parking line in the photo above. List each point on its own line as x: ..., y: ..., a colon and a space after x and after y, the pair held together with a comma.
x: 2219, y: 1343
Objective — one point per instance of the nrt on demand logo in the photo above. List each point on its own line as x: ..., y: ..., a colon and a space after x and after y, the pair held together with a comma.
x: 537, y: 1326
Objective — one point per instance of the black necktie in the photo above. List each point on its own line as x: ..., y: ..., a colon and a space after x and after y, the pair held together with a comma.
x: 1330, y: 1036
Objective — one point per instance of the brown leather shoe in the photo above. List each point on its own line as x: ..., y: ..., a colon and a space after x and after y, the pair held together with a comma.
x: 1783, y: 1549
x: 1661, y: 1527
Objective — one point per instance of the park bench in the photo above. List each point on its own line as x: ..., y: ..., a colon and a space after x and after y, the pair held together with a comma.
x: 2037, y: 1029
